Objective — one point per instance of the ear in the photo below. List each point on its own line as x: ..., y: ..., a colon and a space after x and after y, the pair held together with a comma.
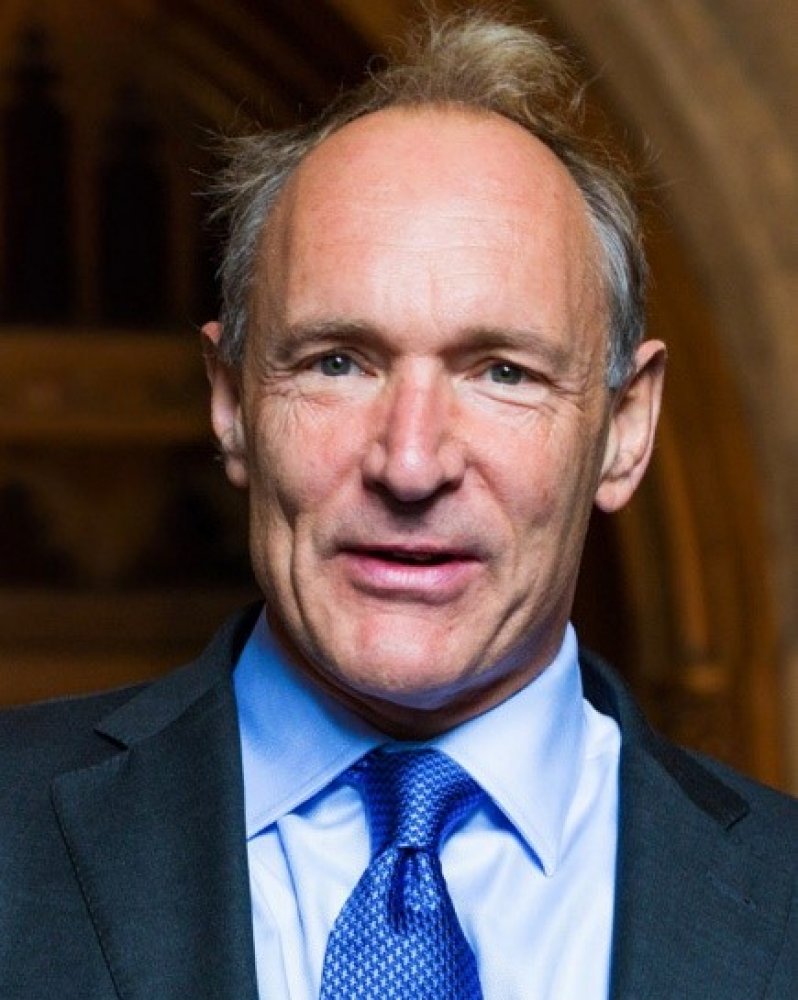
x: 226, y: 418
x: 633, y: 422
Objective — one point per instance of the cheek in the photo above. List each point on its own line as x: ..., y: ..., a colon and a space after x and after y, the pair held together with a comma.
x: 296, y: 464
x: 540, y: 483
x: 526, y: 470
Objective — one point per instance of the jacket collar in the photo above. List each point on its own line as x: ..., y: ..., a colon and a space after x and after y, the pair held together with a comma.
x: 698, y: 911
x: 155, y: 832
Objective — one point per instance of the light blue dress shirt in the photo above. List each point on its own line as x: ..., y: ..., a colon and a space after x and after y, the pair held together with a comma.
x: 531, y: 873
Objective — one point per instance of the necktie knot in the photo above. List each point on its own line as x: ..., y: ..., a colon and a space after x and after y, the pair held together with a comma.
x: 415, y: 797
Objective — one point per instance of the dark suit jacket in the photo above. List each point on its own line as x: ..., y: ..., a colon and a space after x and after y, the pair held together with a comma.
x: 123, y: 870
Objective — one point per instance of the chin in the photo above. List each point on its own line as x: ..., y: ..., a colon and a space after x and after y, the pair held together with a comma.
x: 409, y: 678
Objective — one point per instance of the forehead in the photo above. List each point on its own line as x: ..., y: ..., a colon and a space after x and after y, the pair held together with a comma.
x: 432, y: 189
x: 400, y: 154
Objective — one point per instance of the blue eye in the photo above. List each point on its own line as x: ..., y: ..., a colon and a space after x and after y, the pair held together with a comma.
x: 336, y: 364
x: 505, y: 373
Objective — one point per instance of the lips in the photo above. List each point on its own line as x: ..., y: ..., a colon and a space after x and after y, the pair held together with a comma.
x: 426, y: 573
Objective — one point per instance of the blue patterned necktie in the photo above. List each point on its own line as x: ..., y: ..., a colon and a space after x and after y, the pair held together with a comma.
x: 397, y: 936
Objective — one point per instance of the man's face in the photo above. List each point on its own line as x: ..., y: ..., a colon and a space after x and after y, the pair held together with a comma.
x: 422, y: 419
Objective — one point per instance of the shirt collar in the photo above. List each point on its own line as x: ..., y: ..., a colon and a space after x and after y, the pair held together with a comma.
x: 526, y: 753
x: 295, y: 739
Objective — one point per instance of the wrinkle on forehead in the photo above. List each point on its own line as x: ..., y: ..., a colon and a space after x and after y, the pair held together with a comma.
x: 448, y: 164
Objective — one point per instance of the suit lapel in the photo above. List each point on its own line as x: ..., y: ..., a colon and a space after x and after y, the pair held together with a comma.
x: 698, y: 912
x: 156, y: 836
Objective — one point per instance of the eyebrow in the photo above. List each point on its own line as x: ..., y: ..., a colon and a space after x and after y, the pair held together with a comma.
x: 289, y: 336
x: 477, y: 339
x: 521, y: 339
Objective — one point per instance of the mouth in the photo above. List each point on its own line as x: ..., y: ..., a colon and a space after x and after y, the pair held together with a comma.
x: 427, y: 573
x: 411, y: 557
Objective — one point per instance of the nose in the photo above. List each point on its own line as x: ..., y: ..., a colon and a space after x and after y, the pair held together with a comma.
x: 415, y: 452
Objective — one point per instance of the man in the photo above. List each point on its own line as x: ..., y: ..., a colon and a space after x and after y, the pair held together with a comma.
x: 429, y: 367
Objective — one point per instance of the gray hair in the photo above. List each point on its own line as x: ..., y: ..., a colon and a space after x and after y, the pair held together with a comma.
x: 466, y: 61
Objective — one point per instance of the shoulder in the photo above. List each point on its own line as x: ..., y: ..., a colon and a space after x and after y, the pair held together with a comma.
x: 766, y: 817
x: 38, y: 741
x: 82, y: 730
x: 58, y: 720
x: 772, y: 816
x: 40, y: 744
